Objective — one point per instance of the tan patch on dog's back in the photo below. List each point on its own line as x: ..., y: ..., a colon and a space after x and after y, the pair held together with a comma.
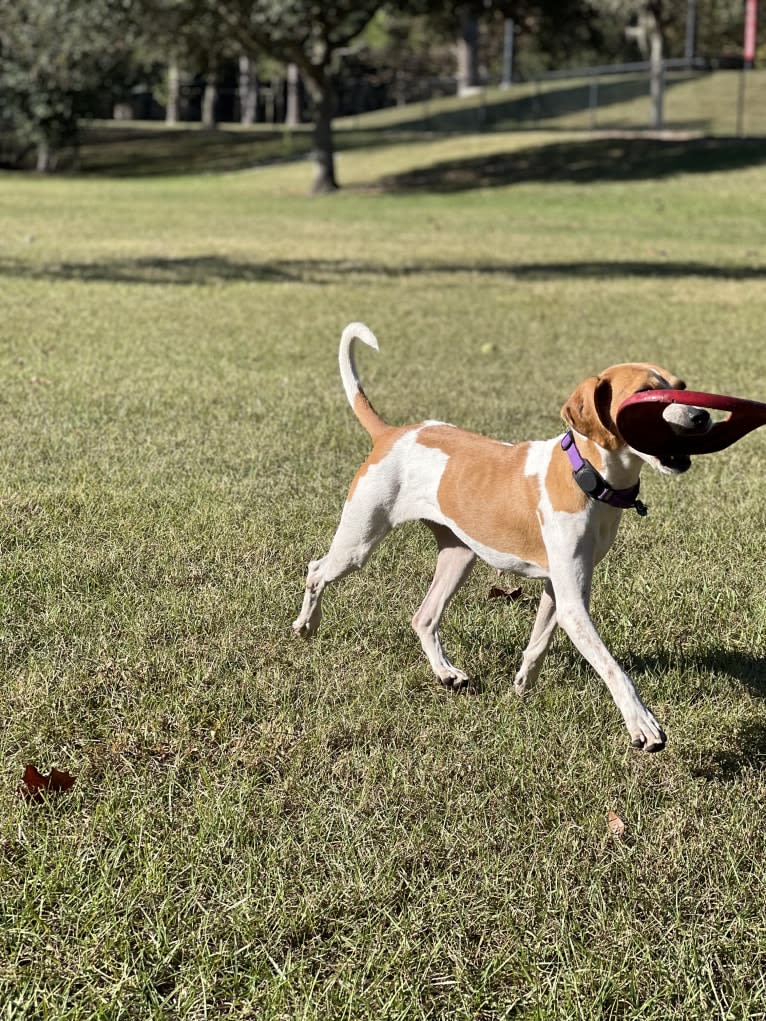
x: 484, y: 490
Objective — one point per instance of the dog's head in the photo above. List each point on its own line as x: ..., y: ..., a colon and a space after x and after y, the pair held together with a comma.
x: 592, y: 409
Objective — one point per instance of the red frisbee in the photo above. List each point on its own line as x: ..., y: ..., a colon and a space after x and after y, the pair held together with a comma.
x: 642, y: 426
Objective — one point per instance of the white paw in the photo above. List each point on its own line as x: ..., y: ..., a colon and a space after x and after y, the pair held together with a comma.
x: 523, y: 683
x: 645, y: 732
x: 305, y: 627
x: 451, y: 677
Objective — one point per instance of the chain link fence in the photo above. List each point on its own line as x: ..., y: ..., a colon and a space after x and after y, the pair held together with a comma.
x: 695, y: 100
x: 613, y: 97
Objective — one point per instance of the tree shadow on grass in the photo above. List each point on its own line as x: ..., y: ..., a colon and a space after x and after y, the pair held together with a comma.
x: 135, y: 152
x: 734, y: 754
x: 132, y: 152
x: 204, y: 270
x: 748, y: 670
x: 581, y: 162
x: 182, y: 271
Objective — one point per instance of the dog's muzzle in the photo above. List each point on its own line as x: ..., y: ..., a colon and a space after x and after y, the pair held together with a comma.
x: 677, y: 463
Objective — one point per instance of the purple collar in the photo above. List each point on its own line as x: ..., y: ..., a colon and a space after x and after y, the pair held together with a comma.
x: 595, y: 485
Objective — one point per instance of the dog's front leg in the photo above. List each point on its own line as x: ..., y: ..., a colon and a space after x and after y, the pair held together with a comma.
x: 572, y: 589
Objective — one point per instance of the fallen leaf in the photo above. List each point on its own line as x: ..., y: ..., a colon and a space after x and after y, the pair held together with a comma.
x: 615, y: 824
x: 510, y: 595
x: 35, y: 786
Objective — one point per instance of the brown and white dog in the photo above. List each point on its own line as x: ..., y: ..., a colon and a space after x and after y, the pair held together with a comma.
x: 518, y: 506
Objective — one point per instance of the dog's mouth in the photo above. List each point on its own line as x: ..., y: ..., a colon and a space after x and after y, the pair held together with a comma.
x: 676, y: 464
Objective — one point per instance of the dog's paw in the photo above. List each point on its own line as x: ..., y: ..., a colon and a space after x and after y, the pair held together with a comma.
x: 304, y: 628
x: 452, y: 679
x: 646, y: 733
x: 523, y: 684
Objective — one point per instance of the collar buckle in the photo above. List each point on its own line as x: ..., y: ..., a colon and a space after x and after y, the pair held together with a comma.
x: 588, y: 479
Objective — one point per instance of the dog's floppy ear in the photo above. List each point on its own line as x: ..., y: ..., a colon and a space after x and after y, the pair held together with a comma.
x: 588, y: 412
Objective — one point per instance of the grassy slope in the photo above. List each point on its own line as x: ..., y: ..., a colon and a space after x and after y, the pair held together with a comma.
x: 262, y: 828
x: 705, y: 104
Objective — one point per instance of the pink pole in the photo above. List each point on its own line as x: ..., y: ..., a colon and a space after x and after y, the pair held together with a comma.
x: 751, y: 23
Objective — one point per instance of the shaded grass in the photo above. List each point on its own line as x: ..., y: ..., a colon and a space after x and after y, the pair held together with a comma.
x: 149, y: 149
x: 581, y: 162
x: 266, y: 829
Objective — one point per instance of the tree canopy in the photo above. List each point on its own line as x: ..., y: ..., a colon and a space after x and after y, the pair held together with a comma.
x: 55, y: 57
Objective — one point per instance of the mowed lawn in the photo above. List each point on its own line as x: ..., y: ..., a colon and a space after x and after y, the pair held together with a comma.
x: 263, y: 828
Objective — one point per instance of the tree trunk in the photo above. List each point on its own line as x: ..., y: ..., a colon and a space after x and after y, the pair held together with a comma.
x: 44, y: 159
x: 467, y: 52
x: 657, y: 75
x: 248, y: 91
x: 293, y: 111
x: 507, y: 79
x: 648, y: 35
x: 209, y: 97
x: 174, y: 91
x: 323, y: 98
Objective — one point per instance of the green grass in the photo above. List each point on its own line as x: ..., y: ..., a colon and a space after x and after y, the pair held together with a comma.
x: 262, y: 828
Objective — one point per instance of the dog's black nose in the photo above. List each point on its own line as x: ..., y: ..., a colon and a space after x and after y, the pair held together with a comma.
x: 700, y: 418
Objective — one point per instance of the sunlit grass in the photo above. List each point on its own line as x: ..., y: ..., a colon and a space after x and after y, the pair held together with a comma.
x: 267, y: 829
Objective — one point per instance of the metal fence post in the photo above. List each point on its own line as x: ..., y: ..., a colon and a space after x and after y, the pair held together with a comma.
x: 593, y: 101
x: 507, y: 79
x: 741, y: 103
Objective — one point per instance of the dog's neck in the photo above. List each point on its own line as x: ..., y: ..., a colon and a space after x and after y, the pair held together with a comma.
x: 620, y: 468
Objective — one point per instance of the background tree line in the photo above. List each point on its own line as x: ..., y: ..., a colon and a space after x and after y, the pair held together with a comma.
x: 63, y: 60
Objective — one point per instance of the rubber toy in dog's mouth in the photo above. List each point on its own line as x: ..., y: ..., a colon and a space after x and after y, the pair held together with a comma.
x: 647, y: 422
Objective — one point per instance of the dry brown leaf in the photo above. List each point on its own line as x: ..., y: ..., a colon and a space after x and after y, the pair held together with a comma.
x: 510, y: 595
x: 36, y: 786
x: 615, y: 824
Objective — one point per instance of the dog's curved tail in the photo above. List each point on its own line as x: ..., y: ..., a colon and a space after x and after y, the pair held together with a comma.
x: 357, y: 398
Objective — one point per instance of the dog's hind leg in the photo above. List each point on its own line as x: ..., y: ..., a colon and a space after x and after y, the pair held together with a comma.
x: 357, y: 536
x: 539, y: 642
x: 453, y: 565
